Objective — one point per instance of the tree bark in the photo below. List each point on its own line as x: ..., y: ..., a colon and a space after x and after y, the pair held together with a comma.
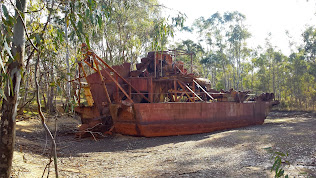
x: 51, y: 96
x: 9, y: 106
x: 110, y: 51
x: 67, y: 60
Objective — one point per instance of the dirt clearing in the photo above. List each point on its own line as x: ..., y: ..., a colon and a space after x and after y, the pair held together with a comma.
x: 231, y: 153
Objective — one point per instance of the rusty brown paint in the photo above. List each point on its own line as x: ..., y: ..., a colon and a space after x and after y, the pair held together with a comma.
x: 181, y: 115
x: 96, y: 84
x: 183, y: 88
x: 166, y: 119
x: 140, y: 84
x: 87, y: 114
x: 117, y: 84
x: 109, y: 67
x: 103, y: 83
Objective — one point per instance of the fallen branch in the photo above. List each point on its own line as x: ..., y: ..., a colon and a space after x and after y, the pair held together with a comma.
x: 90, y: 131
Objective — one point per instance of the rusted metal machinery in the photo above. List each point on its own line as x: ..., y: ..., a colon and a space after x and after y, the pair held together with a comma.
x: 159, y: 98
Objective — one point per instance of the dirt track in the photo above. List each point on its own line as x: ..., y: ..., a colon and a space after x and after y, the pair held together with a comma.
x: 231, y: 153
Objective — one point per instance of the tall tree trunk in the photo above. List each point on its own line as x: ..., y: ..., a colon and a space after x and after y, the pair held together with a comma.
x: 46, y: 82
x: 51, y: 95
x: 225, y: 76
x: 278, y: 83
x: 9, y: 106
x: 67, y: 61
x: 27, y: 77
x: 110, y: 52
x: 273, y: 79
x: 238, y: 66
x: 106, y: 55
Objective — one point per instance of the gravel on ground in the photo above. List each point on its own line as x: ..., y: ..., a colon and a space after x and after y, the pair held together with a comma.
x: 230, y: 153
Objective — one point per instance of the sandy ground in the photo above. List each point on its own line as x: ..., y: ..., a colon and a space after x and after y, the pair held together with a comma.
x: 230, y: 153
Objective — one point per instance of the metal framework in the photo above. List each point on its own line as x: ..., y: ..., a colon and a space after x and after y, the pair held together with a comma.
x: 134, y: 102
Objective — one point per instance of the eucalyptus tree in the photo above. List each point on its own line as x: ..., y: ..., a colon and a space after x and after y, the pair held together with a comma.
x: 274, y: 61
x: 216, y: 40
x: 12, y: 81
x: 12, y: 59
x: 194, y: 52
x: 309, y: 39
x: 262, y: 73
x: 211, y: 32
x: 224, y: 37
x: 128, y: 31
x: 278, y: 61
x: 297, y: 67
x: 211, y: 62
x: 254, y: 56
x: 237, y: 35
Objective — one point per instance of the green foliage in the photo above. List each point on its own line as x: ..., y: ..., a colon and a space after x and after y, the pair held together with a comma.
x: 309, y: 37
x: 7, y: 26
x: 163, y: 30
x: 121, y: 31
x: 128, y: 31
x: 226, y: 60
x: 279, y: 163
x: 70, y: 106
x: 224, y: 36
x: 6, y: 33
x: 83, y: 15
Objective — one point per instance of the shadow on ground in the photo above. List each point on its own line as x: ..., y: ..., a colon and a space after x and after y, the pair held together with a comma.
x: 229, y: 153
x: 292, y: 128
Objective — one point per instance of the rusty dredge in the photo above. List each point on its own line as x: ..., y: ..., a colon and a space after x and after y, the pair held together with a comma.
x: 160, y: 98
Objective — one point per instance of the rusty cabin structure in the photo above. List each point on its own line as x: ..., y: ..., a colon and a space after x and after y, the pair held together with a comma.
x: 160, y: 98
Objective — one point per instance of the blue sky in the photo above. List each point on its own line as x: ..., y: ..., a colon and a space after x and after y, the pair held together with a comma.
x: 263, y: 16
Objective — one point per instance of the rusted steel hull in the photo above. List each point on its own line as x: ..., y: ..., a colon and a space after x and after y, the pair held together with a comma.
x: 166, y: 119
x: 161, y: 98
